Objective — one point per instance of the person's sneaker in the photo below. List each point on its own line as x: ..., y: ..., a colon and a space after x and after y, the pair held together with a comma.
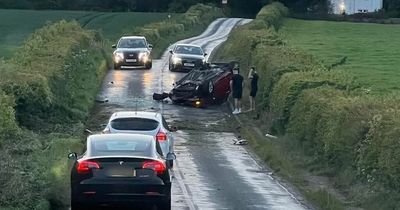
x: 235, y: 111
x: 239, y: 111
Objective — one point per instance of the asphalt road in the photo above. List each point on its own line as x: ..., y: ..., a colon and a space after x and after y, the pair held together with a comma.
x: 210, y: 172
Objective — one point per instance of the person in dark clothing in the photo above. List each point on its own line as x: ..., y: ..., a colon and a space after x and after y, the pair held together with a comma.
x: 237, y: 90
x: 253, y: 76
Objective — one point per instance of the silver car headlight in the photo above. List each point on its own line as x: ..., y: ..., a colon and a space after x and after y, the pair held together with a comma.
x: 144, y: 56
x: 118, y: 56
x: 177, y: 60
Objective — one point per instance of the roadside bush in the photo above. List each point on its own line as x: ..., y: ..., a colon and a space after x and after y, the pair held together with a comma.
x: 377, y: 155
x: 8, y: 125
x: 273, y: 15
x: 286, y: 91
x: 41, y: 182
x: 61, y: 67
x: 330, y: 124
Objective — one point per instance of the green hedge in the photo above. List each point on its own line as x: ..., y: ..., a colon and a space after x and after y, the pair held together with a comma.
x: 273, y: 15
x: 286, y: 91
x: 60, y: 68
x: 8, y: 125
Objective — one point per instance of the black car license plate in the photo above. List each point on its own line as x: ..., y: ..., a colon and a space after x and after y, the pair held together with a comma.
x: 122, y: 173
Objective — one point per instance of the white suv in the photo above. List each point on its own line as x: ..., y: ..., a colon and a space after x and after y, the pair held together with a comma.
x: 148, y: 123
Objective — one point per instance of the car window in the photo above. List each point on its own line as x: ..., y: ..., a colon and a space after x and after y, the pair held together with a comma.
x: 132, y: 43
x: 137, y: 124
x: 120, y: 147
x: 189, y: 50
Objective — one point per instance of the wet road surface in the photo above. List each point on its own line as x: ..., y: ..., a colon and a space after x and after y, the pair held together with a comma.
x: 210, y: 172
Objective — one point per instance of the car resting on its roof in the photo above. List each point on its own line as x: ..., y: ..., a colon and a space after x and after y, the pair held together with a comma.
x: 201, y: 87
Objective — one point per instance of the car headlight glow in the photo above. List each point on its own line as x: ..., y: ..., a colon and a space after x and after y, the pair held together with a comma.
x: 177, y: 60
x: 144, y: 56
x: 118, y: 56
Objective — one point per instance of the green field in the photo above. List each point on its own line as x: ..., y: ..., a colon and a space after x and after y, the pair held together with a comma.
x: 372, y: 50
x: 16, y: 25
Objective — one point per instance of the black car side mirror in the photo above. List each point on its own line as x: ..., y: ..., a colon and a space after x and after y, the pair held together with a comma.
x: 114, y: 46
x: 205, y: 54
x: 172, y: 52
x: 150, y: 46
x: 72, y: 156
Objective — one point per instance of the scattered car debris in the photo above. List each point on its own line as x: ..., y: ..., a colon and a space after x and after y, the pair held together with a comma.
x: 101, y: 100
x: 270, y: 136
x: 240, y: 142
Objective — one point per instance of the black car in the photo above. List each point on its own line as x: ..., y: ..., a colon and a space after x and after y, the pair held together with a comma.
x: 201, y: 87
x: 132, y: 51
x: 120, y: 169
x: 185, y: 57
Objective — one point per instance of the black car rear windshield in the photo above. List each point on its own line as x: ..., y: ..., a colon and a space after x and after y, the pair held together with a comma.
x: 121, y: 147
x: 137, y: 124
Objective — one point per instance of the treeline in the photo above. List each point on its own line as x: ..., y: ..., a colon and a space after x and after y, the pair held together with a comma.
x: 237, y: 7
x: 249, y: 6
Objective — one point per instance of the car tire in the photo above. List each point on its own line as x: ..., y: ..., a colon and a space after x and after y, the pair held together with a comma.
x: 77, y: 206
x: 149, y: 65
x: 117, y: 67
x: 165, y: 204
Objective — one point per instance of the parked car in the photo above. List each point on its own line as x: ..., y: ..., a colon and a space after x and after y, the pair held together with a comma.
x: 201, y: 87
x: 185, y: 57
x: 120, y: 169
x: 132, y: 51
x: 148, y: 123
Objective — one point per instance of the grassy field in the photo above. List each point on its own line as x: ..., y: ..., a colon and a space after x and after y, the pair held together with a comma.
x: 372, y: 50
x: 16, y: 25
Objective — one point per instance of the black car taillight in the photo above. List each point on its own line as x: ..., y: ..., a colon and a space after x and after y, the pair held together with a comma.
x: 86, y: 166
x: 156, y: 166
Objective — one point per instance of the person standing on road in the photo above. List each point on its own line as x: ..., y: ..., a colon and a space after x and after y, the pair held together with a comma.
x: 237, y: 90
x: 253, y: 77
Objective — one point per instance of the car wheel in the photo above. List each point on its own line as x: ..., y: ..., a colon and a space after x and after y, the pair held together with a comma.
x: 149, y: 65
x: 116, y: 67
x: 210, y: 87
x: 77, y: 206
x: 165, y: 205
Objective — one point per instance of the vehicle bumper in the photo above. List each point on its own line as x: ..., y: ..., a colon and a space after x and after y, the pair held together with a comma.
x: 180, y: 67
x: 195, y: 102
x: 131, y: 64
x: 105, y: 194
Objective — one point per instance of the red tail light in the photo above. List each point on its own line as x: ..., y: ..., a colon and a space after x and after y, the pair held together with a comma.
x: 161, y: 136
x: 85, y: 166
x: 156, y: 166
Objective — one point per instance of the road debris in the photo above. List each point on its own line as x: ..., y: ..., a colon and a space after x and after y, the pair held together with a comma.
x: 240, y: 142
x: 270, y: 136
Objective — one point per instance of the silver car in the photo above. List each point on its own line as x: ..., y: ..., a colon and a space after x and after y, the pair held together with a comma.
x: 148, y: 123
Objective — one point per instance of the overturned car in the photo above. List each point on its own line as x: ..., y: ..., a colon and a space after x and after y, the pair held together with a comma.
x: 203, y: 86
